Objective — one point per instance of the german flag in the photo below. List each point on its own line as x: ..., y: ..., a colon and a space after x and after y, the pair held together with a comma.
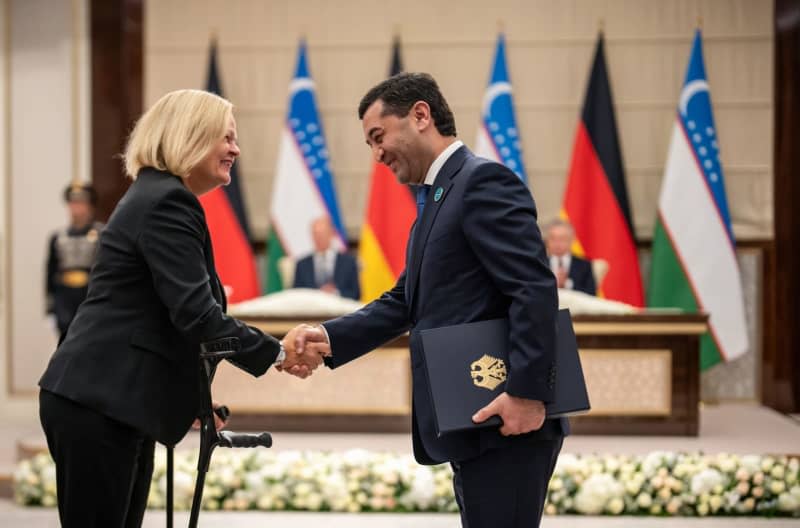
x: 227, y: 222
x: 596, y: 199
x: 391, y: 210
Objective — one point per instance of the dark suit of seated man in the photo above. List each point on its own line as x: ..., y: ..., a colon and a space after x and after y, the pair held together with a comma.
x: 572, y: 272
x: 326, y: 268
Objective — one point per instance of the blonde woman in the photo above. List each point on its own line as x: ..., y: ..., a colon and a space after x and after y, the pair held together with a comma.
x: 126, y: 373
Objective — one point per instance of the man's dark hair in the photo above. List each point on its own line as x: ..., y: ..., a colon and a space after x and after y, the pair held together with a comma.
x: 401, y: 91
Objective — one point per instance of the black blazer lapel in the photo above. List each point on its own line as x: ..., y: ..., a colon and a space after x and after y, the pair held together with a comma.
x: 423, y: 226
x: 216, y: 286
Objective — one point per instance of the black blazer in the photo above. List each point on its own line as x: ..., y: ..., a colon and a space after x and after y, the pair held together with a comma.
x: 345, y: 275
x: 475, y: 254
x: 580, y: 271
x: 132, y: 351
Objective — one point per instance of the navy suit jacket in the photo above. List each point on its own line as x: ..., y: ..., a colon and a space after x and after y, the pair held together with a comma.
x: 475, y: 254
x: 345, y: 275
x: 580, y: 271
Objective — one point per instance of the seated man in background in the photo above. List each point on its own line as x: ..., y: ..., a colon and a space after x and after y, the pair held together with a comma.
x: 326, y: 268
x: 571, y: 271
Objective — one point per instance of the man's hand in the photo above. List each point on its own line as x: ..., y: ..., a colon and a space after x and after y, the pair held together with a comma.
x: 312, y: 338
x: 305, y: 345
x: 519, y: 415
x: 329, y: 288
x: 561, y: 278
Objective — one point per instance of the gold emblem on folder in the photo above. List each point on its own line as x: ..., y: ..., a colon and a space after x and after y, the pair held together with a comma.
x: 488, y: 372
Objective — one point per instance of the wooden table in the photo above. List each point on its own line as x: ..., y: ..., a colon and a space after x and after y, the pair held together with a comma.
x: 642, y: 373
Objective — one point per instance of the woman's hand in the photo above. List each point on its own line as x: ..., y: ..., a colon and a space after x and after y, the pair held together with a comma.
x: 219, y: 423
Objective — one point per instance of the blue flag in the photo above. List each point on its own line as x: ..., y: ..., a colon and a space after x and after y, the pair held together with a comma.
x: 304, y: 122
x: 498, y: 135
x: 694, y: 108
x: 303, y: 189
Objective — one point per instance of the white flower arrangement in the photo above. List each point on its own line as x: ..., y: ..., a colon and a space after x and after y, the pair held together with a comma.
x: 659, y: 483
x: 664, y: 483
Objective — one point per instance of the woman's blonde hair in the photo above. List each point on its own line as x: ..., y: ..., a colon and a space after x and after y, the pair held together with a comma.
x: 176, y: 133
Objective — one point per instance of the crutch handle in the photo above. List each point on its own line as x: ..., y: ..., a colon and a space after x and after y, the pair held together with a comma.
x: 229, y: 439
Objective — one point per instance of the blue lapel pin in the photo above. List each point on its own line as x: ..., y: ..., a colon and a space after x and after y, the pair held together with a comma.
x: 438, y: 195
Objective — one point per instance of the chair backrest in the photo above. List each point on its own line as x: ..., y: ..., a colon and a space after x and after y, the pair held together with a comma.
x: 599, y: 270
x: 286, y: 266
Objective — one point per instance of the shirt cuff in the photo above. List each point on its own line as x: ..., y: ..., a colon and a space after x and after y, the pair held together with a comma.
x: 327, y: 337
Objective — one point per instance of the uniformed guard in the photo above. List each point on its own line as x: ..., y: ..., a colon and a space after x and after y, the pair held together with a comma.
x: 72, y: 252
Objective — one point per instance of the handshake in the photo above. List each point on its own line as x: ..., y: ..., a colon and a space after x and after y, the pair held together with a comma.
x: 306, y: 346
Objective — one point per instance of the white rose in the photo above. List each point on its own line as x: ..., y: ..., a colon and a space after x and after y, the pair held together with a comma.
x: 596, y: 492
x: 751, y: 463
x: 702, y: 509
x: 314, y: 501
x: 265, y: 502
x: 644, y: 500
x: 778, y: 471
x: 788, y: 503
x: 715, y: 502
x: 615, y: 506
x: 632, y: 487
x: 727, y: 464
x: 777, y: 486
x: 612, y: 465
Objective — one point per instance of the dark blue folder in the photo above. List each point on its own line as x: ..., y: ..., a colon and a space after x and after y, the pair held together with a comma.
x: 466, y: 365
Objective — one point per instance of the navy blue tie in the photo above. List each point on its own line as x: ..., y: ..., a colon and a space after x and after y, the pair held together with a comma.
x: 422, y: 194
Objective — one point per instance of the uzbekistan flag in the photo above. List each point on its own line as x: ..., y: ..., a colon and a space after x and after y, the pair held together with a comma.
x: 498, y: 137
x: 694, y: 257
x: 303, y: 190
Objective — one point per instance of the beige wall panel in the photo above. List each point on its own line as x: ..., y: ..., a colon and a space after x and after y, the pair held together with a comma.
x: 550, y: 45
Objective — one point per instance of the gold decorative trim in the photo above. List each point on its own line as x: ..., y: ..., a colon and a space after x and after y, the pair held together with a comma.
x: 633, y: 328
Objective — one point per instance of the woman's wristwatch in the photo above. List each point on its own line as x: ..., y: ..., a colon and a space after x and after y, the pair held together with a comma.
x: 281, y: 356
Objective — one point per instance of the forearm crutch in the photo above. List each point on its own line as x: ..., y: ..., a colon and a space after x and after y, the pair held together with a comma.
x: 210, y: 355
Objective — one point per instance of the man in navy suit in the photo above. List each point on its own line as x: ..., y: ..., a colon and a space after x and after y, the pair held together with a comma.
x: 326, y: 268
x: 475, y: 253
x: 571, y: 271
